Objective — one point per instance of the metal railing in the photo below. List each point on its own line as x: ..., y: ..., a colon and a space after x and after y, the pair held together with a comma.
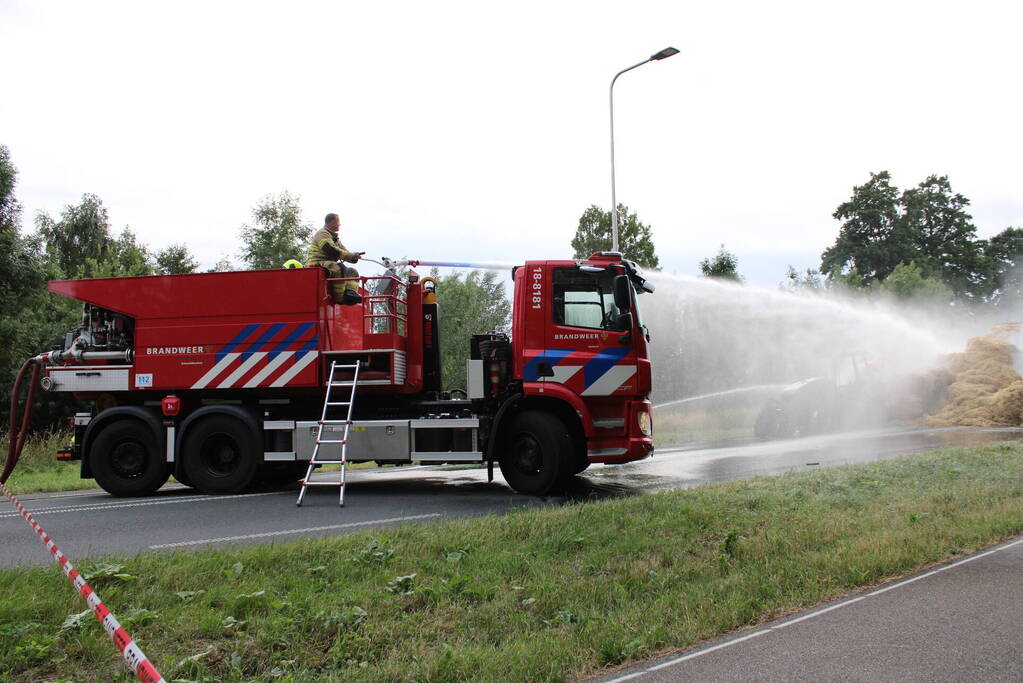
x: 384, y: 306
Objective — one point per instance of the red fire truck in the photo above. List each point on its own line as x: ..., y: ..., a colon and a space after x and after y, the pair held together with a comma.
x: 219, y: 378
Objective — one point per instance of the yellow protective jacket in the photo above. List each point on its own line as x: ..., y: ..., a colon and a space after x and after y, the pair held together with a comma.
x: 326, y: 247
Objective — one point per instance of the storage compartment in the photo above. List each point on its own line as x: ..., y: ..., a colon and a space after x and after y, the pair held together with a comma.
x: 86, y: 378
x: 367, y: 440
x: 446, y: 440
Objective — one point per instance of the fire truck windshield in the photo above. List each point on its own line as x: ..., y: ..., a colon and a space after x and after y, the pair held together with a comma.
x: 585, y: 299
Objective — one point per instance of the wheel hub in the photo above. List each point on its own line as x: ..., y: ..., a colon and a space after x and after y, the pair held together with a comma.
x: 527, y: 456
x: 219, y: 455
x: 128, y: 459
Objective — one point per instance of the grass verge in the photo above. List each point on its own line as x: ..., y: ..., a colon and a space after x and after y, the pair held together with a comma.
x: 38, y: 470
x: 547, y: 594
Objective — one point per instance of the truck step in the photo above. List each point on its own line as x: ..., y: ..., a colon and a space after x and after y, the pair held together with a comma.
x: 323, y: 441
x: 323, y: 483
x: 339, y: 403
x: 335, y: 422
x: 342, y: 383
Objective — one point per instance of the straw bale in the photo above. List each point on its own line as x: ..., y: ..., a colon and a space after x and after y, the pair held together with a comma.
x: 1006, y: 332
x: 1007, y: 405
x: 983, y: 389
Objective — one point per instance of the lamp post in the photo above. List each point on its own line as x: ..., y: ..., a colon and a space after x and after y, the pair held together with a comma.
x: 663, y: 54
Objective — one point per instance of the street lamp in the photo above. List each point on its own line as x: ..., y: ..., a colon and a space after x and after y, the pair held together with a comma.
x: 663, y: 54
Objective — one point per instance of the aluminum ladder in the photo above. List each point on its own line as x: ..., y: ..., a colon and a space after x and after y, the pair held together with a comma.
x: 330, y: 478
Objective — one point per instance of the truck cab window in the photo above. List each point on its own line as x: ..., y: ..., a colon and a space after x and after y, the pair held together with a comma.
x: 584, y: 299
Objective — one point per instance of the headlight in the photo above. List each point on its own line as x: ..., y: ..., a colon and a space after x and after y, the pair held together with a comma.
x: 646, y: 426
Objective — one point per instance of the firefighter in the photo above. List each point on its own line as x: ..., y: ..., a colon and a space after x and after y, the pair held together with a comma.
x: 326, y: 252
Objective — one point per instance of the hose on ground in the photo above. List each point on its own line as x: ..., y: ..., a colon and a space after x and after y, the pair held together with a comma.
x: 18, y: 429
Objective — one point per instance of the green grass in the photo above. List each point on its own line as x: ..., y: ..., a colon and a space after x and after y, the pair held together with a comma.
x: 38, y: 470
x: 548, y: 594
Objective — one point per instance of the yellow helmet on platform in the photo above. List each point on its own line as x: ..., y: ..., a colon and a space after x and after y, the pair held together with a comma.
x: 292, y: 263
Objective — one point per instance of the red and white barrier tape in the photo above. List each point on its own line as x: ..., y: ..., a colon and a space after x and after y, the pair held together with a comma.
x: 139, y: 663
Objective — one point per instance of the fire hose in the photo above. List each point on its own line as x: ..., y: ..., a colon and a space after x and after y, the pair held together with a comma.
x: 17, y: 432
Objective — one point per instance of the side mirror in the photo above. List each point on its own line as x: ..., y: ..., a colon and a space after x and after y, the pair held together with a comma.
x: 623, y: 293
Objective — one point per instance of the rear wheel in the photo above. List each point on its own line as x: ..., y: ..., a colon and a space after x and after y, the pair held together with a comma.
x: 220, y: 454
x: 126, y: 460
x: 773, y: 423
x: 538, y: 450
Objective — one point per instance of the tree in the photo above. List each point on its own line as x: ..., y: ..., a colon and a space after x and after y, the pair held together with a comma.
x: 872, y: 239
x: 31, y: 319
x: 722, y: 267
x: 943, y: 236
x: 10, y: 208
x: 634, y: 238
x: 277, y: 232
x: 126, y: 257
x: 473, y: 305
x: 23, y: 276
x: 81, y: 234
x: 224, y: 265
x: 1002, y: 254
x: 927, y: 225
x: 908, y: 281
x: 808, y: 281
x: 175, y: 260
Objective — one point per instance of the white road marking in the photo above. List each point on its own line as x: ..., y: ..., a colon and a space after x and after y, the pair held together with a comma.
x: 161, y: 501
x: 811, y: 615
x: 268, y: 534
x: 84, y: 493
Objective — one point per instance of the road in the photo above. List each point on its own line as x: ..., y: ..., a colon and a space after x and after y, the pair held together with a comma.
x: 90, y: 523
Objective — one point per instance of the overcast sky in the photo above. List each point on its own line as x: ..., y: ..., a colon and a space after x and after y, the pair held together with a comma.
x: 479, y: 131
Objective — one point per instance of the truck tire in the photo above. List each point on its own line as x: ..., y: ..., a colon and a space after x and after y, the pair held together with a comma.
x: 773, y: 423
x: 126, y: 460
x: 538, y: 449
x: 220, y: 454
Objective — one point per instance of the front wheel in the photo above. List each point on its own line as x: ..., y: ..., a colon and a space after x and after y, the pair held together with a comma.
x: 126, y: 460
x: 221, y: 454
x: 538, y: 449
